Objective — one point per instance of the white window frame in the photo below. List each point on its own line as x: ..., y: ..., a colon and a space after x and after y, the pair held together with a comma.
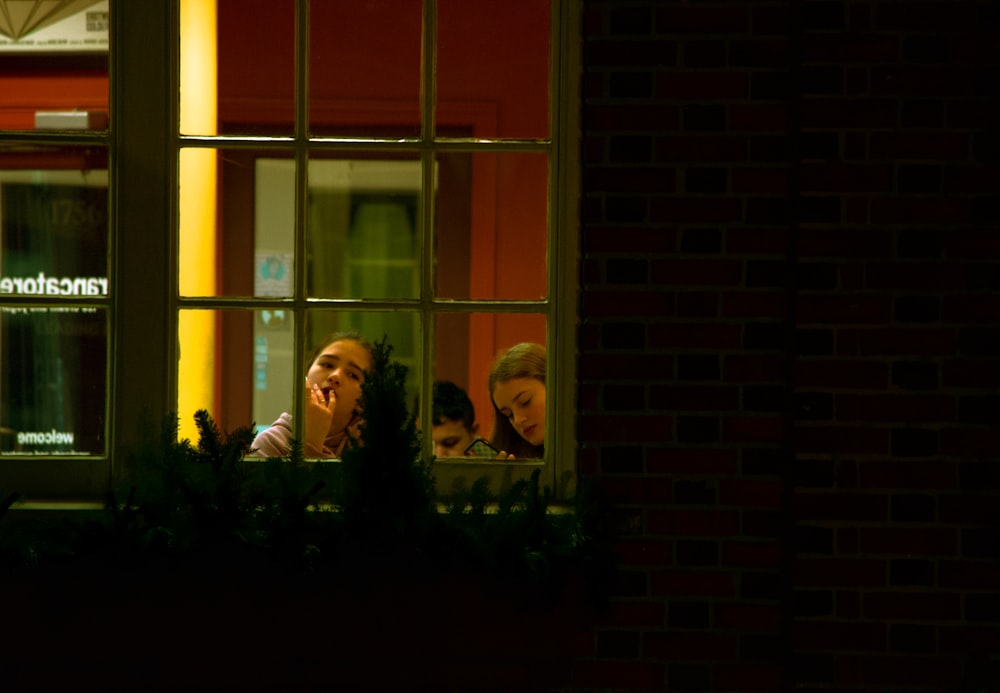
x: 144, y: 146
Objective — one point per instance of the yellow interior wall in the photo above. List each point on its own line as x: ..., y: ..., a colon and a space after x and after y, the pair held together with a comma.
x: 197, y: 183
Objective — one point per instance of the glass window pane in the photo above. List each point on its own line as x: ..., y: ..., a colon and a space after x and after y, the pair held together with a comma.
x: 497, y: 54
x: 53, y: 380
x: 236, y: 223
x: 237, y: 67
x: 364, y: 228
x: 53, y: 257
x: 400, y: 328
x: 364, y: 68
x: 466, y: 345
x: 54, y: 65
x: 54, y: 223
x: 236, y: 364
x: 492, y: 225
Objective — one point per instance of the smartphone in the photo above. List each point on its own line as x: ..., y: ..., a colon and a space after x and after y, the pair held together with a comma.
x: 480, y: 448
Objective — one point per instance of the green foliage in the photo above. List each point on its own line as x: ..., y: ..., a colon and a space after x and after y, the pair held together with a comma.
x: 205, y: 502
x: 386, y: 494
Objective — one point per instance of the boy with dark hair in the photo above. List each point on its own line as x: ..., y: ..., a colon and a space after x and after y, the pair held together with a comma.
x: 453, y: 421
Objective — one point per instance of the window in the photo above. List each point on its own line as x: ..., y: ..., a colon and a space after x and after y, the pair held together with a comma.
x: 405, y: 169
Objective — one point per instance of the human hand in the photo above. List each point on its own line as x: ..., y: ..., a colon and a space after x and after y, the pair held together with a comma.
x: 319, y: 411
x: 502, y: 455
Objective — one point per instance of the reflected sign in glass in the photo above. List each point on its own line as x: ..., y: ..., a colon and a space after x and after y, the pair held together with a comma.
x: 53, y: 350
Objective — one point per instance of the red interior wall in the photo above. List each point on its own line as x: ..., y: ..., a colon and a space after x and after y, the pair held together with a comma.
x: 256, y: 83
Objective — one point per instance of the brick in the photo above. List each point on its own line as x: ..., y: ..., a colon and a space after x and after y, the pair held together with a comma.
x: 626, y: 271
x: 713, y: 21
x: 930, y: 80
x: 894, y: 670
x: 856, y: 309
x: 637, y: 84
x: 835, y: 177
x: 697, y: 273
x: 693, y: 523
x: 904, y: 146
x: 624, y: 397
x: 623, y: 303
x: 840, y: 572
x: 969, y: 639
x: 969, y: 509
x: 846, y: 48
x: 628, y: 335
x: 826, y: 635
x: 692, y: 461
x: 923, y: 541
x: 620, y: 179
x: 701, y: 241
x: 772, y: 52
x: 596, y: 428
x: 692, y: 553
x: 979, y: 475
x: 901, y: 408
x: 920, y: 276
x: 617, y: 239
x: 694, y: 336
x: 751, y: 493
x: 750, y: 368
x: 905, y: 341
x: 912, y: 507
x: 971, y: 308
x: 753, y: 429
x: 617, y: 644
x: 819, y: 113
x: 843, y: 507
x: 619, y: 54
x: 697, y: 430
x: 842, y: 374
x: 750, y: 676
x: 700, y: 86
x: 690, y: 646
x: 933, y: 17
x: 704, y: 117
x: 698, y: 367
x: 702, y: 148
x: 694, y: 583
x: 649, y: 614
x: 845, y: 243
x: 925, y: 211
x: 906, y: 637
x: 689, y: 615
x: 752, y: 554
x: 698, y: 304
x: 704, y: 54
x: 917, y: 309
x: 760, y: 180
x: 643, y: 675
x: 970, y: 372
x: 909, y: 474
x: 743, y: 617
x: 754, y: 304
x: 699, y: 209
x: 911, y: 573
x: 912, y: 606
x: 694, y: 397
x: 712, y: 181
x: 632, y: 118
x: 759, y: 241
x: 636, y: 21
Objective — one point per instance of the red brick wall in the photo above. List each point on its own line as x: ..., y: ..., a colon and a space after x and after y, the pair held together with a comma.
x: 789, y: 345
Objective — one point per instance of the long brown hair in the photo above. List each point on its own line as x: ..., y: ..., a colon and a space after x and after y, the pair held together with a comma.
x: 524, y: 360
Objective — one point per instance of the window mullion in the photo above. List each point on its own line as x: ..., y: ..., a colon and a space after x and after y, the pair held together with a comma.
x: 144, y: 66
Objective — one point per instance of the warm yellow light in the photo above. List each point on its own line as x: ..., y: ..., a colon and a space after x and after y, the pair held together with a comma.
x: 197, y: 181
